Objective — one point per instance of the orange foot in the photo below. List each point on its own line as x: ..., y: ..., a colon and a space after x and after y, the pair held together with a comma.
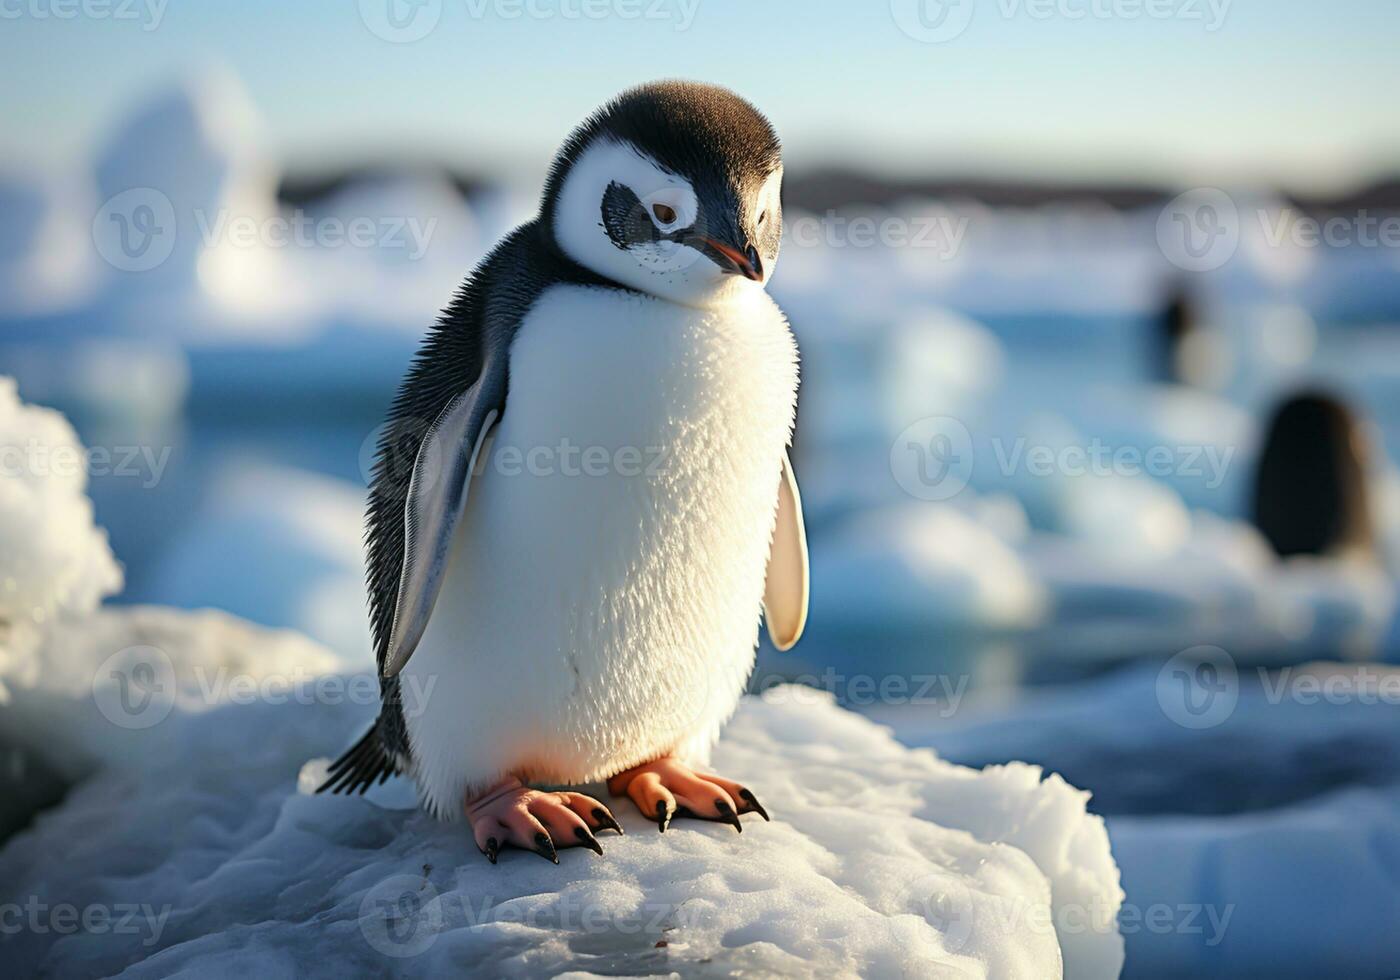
x: 666, y: 788
x: 511, y: 813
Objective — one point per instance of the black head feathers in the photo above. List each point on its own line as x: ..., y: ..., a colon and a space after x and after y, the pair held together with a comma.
x: 696, y: 130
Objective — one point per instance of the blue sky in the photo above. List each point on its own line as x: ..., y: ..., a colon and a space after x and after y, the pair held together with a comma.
x: 1287, y: 90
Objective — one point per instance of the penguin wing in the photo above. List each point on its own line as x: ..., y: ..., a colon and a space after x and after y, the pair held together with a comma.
x: 454, y: 390
x: 437, y: 496
x: 785, y: 591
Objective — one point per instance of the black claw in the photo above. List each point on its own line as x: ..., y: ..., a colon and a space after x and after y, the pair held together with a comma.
x: 493, y: 848
x: 589, y: 841
x: 753, y: 803
x: 727, y: 815
x: 544, y: 847
x: 663, y: 816
x: 606, y: 821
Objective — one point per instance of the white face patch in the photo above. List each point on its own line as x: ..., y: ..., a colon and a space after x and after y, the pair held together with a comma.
x: 768, y: 216
x: 669, y: 269
x: 770, y: 195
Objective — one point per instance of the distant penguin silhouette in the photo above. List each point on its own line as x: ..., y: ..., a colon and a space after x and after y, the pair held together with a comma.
x: 1310, y: 493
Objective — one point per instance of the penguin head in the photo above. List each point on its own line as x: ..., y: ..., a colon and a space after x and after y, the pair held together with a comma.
x: 672, y: 189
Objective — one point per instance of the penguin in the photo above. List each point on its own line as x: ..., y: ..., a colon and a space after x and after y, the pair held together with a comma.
x: 582, y: 505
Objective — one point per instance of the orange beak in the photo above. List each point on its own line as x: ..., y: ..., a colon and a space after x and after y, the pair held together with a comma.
x: 748, y: 267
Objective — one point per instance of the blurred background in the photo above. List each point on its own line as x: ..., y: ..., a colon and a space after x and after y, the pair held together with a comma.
x: 1098, y: 305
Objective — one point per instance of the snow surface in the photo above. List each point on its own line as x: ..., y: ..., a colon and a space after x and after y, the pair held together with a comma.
x: 54, y: 561
x: 880, y: 860
x: 1266, y: 841
x: 85, y: 705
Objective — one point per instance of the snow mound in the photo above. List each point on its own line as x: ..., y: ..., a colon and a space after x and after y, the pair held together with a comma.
x: 54, y: 561
x: 926, y: 563
x: 179, y: 161
x: 103, y: 682
x: 880, y: 861
x: 1198, y: 843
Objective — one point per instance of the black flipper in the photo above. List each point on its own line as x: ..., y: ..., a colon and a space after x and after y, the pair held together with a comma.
x: 363, y: 764
x: 456, y: 354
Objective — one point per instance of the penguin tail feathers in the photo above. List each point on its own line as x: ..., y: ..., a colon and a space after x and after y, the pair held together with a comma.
x: 364, y: 764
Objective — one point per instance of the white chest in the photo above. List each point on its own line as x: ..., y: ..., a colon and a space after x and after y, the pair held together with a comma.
x: 604, y: 591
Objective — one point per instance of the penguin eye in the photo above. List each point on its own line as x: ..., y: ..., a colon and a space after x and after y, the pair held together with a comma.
x: 664, y: 213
